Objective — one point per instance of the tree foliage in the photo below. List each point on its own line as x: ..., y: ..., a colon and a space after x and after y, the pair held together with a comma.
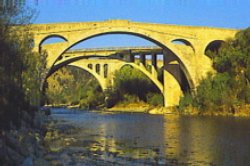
x: 20, y: 68
x: 73, y: 86
x: 229, y: 87
x: 134, y: 86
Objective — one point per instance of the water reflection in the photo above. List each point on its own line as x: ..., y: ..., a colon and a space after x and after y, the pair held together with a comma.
x: 143, y: 139
x: 126, y: 136
x: 186, y: 140
x: 208, y: 140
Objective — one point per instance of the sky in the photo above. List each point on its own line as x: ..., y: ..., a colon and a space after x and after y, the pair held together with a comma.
x: 213, y: 13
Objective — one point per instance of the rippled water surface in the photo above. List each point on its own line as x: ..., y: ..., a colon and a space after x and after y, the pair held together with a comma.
x: 143, y: 139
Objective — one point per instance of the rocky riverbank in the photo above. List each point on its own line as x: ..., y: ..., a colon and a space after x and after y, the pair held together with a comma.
x: 24, y: 146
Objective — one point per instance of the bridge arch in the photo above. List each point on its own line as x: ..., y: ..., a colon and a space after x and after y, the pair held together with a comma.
x: 185, y: 42
x: 165, y: 44
x: 157, y: 83
x: 90, y: 68
x: 94, y: 74
x: 213, y: 46
x: 51, y: 36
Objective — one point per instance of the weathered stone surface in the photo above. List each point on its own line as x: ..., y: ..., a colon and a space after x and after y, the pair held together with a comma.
x: 190, y: 56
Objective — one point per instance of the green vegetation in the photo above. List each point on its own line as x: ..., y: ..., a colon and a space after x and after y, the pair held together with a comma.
x: 72, y: 86
x: 20, y: 70
x: 133, y: 86
x: 229, y: 88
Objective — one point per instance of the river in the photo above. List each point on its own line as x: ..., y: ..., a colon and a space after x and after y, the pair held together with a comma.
x: 94, y: 138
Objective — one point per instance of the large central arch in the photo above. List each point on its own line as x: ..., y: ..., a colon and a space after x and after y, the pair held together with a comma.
x: 135, y: 32
x: 171, y: 53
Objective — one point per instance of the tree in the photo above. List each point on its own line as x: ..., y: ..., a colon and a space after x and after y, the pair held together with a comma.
x: 19, y: 85
x: 230, y: 86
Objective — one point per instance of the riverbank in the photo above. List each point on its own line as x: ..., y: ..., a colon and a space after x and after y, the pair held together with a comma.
x: 141, y: 107
x: 240, y: 111
x: 24, y: 146
x: 131, y: 107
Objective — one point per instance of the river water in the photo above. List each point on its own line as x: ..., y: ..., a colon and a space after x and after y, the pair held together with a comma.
x: 94, y: 138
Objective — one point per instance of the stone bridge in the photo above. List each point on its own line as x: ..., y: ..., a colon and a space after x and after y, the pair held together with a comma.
x: 183, y: 48
x: 102, y: 63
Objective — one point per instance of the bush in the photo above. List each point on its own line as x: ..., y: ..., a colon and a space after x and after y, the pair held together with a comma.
x: 155, y: 99
x: 186, y: 101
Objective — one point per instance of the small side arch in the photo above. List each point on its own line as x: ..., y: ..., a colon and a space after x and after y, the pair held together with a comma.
x: 52, y: 36
x: 184, y: 42
x: 213, y: 46
x: 98, y: 68
x: 90, y: 66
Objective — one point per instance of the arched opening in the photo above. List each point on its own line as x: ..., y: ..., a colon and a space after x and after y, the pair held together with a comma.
x: 155, y: 43
x: 97, y: 68
x: 90, y: 66
x: 146, y: 74
x: 213, y: 47
x: 134, y: 32
x: 51, y: 39
x: 183, y: 42
x: 135, y: 86
x: 166, y: 53
x: 70, y: 86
